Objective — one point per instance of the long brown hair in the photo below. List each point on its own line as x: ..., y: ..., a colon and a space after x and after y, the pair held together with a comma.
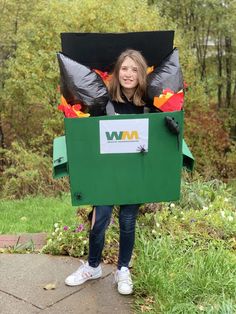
x: 114, y: 84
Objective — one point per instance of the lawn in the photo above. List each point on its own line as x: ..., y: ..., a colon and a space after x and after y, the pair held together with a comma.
x: 35, y: 214
x: 186, y: 253
x: 178, y: 276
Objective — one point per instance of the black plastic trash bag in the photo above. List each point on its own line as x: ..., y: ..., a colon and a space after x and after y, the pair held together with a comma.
x: 81, y: 85
x: 167, y: 75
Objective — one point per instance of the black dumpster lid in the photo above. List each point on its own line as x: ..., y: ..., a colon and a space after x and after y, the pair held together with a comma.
x: 100, y: 50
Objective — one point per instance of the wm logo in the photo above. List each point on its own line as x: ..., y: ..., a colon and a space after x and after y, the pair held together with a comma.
x: 122, y: 135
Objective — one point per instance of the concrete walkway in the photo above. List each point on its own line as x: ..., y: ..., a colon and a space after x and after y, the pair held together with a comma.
x: 24, y: 276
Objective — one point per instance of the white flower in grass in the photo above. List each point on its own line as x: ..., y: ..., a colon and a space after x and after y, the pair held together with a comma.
x: 172, y: 205
x: 57, y: 229
x: 222, y: 214
x: 205, y: 208
x: 226, y: 199
x: 157, y: 225
x: 56, y: 225
x: 85, y: 241
x: 154, y: 231
x: 230, y: 218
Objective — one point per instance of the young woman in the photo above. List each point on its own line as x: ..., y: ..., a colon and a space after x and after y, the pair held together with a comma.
x: 127, y: 90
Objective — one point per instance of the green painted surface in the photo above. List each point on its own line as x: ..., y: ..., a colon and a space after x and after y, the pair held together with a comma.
x: 103, y: 179
x: 60, y: 169
x: 188, y: 159
x: 59, y: 158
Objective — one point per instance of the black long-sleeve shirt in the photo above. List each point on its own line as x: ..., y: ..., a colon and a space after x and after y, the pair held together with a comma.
x: 126, y: 107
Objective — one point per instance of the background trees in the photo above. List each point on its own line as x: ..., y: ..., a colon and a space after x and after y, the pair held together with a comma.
x: 207, y: 28
x: 29, y: 76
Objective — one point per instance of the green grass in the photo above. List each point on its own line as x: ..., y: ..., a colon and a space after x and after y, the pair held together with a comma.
x: 35, y: 214
x: 173, y: 276
x: 185, y: 253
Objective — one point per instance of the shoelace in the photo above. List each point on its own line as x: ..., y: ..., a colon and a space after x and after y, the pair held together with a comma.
x: 84, y: 270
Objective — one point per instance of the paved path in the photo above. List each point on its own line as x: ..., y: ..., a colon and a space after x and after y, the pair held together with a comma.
x: 24, y: 276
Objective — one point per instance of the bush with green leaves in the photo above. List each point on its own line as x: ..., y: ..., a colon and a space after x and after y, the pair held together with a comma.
x: 28, y: 173
x: 68, y: 240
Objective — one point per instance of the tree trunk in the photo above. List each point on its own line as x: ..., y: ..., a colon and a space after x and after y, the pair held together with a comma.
x: 228, y: 67
x: 234, y: 95
x: 1, y: 135
x: 219, y: 70
x: 1, y: 145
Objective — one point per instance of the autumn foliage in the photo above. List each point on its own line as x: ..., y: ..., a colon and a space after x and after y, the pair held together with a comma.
x: 207, y: 135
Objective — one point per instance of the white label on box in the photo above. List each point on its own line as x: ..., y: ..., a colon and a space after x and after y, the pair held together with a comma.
x: 123, y: 136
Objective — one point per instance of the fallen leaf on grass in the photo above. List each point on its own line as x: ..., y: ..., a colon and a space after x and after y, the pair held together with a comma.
x: 145, y: 308
x: 201, y: 308
x: 23, y: 218
x: 148, y: 305
x: 50, y: 286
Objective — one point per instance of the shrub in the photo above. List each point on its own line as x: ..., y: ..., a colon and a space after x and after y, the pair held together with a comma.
x: 73, y: 240
x: 68, y: 240
x: 210, y: 143
x: 28, y: 173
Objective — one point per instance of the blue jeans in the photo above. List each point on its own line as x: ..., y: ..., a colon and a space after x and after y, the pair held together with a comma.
x: 127, y: 221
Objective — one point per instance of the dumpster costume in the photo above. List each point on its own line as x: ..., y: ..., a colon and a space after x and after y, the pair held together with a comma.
x: 99, y: 140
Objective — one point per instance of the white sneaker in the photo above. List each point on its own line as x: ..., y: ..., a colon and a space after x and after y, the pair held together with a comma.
x: 124, y: 281
x: 82, y: 274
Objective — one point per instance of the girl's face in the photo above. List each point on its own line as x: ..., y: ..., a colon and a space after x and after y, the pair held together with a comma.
x: 128, y: 75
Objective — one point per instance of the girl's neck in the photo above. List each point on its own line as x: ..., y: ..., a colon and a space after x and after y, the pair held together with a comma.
x: 128, y: 93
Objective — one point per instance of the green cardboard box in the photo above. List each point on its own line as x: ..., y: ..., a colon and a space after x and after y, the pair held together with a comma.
x: 60, y: 162
x: 188, y: 159
x: 102, y: 174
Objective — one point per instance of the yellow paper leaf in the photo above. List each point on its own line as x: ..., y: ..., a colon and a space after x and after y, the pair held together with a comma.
x: 50, y: 286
